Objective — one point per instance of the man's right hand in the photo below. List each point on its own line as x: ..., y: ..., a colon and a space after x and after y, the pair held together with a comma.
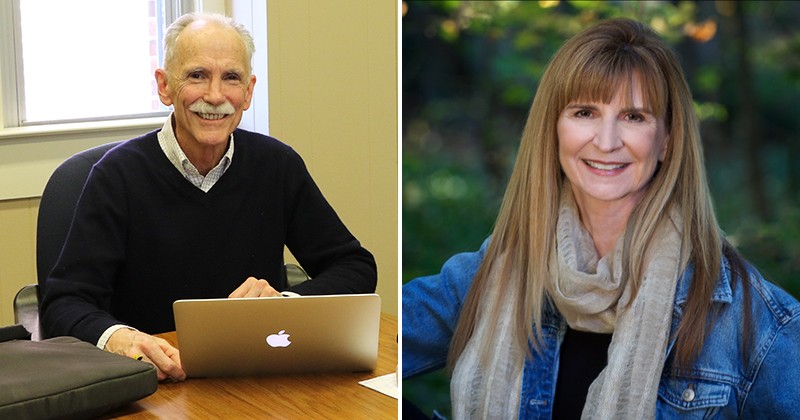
x: 253, y: 287
x: 153, y: 350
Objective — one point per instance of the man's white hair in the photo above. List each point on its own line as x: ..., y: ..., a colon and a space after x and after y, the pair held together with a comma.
x: 182, y: 22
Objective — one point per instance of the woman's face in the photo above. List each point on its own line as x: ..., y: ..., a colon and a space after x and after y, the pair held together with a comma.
x: 610, y: 151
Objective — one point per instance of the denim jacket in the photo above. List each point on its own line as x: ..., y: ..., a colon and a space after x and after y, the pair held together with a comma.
x: 722, y: 383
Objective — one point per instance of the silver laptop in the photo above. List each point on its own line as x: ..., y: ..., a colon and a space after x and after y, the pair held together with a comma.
x: 256, y: 336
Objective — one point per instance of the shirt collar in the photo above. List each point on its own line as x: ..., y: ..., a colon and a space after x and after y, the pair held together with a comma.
x: 171, y: 148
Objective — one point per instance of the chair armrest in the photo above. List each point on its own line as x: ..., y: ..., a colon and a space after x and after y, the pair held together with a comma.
x: 294, y: 274
x: 26, y: 309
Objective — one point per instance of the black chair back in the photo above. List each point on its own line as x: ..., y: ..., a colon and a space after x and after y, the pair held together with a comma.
x: 57, y: 207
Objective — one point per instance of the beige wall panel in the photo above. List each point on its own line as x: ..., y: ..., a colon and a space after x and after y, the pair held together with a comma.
x: 383, y: 143
x: 17, y: 251
x: 333, y: 97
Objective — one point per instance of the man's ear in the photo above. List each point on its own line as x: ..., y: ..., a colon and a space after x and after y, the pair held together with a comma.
x: 249, y: 97
x: 163, y: 90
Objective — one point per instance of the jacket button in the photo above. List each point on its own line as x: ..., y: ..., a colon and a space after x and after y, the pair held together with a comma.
x: 688, y: 395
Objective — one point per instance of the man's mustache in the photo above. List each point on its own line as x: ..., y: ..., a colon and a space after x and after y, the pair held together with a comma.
x: 203, y: 107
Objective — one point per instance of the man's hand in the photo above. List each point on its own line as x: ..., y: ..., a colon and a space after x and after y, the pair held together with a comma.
x: 253, y: 287
x: 153, y: 350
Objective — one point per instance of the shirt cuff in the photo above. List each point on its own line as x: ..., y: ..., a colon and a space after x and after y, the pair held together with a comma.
x: 101, y: 343
x: 289, y: 294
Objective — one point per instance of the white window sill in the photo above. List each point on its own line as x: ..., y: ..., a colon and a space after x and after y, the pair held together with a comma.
x: 46, y: 130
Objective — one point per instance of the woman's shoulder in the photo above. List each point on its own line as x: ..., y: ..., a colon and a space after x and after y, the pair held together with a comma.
x: 762, y: 319
x: 454, y: 278
x: 465, y: 264
x: 774, y: 346
x: 744, y: 289
x: 751, y: 318
x: 750, y: 347
x: 749, y: 301
x: 778, y: 304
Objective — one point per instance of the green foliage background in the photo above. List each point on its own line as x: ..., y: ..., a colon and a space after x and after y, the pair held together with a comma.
x: 469, y: 73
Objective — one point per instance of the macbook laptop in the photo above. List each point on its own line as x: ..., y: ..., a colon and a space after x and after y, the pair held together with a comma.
x: 280, y: 335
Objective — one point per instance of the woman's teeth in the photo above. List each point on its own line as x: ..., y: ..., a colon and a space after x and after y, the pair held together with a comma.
x: 605, y: 166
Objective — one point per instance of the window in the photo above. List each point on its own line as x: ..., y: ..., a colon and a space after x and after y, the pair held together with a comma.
x: 83, y: 59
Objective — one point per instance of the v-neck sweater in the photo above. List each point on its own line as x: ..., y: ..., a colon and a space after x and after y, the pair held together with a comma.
x: 143, y: 236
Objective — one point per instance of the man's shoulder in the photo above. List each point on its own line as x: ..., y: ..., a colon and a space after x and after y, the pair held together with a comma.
x: 259, y: 148
x: 135, y: 145
x: 132, y: 158
x: 258, y: 141
x: 143, y: 145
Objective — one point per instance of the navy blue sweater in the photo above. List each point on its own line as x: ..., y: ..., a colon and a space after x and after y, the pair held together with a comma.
x: 143, y: 237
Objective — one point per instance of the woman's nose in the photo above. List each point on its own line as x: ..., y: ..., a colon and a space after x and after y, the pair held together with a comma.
x: 607, y: 138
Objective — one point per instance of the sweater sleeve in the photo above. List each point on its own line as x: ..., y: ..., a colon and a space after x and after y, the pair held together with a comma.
x: 77, y: 293
x: 322, y: 244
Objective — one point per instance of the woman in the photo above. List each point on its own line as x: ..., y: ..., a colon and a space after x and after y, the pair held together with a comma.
x: 607, y: 288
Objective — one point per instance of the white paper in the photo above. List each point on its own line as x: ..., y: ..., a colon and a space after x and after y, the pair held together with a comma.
x: 386, y: 384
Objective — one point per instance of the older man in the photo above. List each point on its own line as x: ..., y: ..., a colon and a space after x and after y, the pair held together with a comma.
x: 198, y: 209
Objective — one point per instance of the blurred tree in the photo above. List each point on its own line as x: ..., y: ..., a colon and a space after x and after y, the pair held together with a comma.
x: 469, y: 73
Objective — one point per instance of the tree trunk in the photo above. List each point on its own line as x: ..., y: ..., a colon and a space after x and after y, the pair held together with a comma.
x: 747, y: 118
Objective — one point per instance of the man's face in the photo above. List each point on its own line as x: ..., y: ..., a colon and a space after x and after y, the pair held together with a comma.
x: 208, y: 84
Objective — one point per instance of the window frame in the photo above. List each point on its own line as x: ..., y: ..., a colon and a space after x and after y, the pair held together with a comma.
x: 10, y: 66
x: 12, y: 72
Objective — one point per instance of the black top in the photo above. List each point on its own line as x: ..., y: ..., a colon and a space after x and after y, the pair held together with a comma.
x: 143, y: 236
x: 583, y: 355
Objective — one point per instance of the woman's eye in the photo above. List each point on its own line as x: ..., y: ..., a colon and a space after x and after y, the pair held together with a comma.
x: 635, y: 117
x: 583, y: 113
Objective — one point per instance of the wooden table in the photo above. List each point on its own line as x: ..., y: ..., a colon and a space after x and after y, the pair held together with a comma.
x: 335, y: 395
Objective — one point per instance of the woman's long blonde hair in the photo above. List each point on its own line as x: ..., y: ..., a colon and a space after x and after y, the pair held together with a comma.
x: 593, y: 66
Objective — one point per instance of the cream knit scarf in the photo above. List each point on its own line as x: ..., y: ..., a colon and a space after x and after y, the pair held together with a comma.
x: 591, y: 295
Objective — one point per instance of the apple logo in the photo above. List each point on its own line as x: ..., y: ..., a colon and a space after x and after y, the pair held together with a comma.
x: 281, y: 339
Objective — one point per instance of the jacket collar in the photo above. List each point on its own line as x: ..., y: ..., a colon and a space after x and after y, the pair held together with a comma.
x: 722, y: 289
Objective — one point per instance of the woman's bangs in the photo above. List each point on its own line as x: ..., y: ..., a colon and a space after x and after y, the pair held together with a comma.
x: 605, y: 75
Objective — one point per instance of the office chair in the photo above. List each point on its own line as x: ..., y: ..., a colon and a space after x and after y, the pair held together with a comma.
x: 56, y: 210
